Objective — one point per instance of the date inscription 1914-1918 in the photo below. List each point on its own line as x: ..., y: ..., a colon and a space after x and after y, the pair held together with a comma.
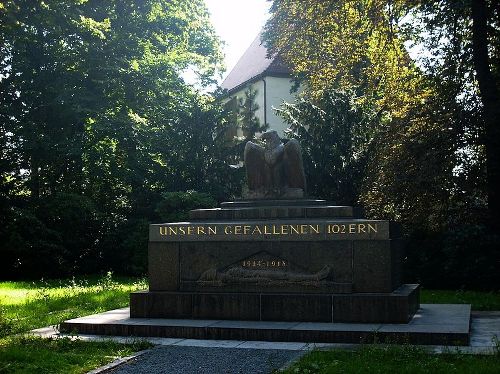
x: 264, y: 263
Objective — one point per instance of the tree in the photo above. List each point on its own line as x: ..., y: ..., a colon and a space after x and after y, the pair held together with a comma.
x: 83, y: 77
x: 91, y: 103
x: 360, y: 45
x: 350, y: 45
x: 463, y: 39
x: 432, y: 149
x: 247, y: 107
x: 334, y: 134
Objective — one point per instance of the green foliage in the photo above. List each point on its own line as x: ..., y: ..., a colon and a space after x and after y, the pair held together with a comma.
x: 478, y: 300
x: 428, y: 154
x: 349, y: 45
x: 175, y: 206
x: 55, y: 237
x: 28, y: 354
x: 96, y: 122
x: 334, y: 133
x: 26, y: 306
x: 247, y: 107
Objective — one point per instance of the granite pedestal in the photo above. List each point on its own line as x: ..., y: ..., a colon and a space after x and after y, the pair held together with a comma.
x: 276, y: 260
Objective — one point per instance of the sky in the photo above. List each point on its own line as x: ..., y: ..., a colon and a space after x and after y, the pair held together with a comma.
x: 237, y: 22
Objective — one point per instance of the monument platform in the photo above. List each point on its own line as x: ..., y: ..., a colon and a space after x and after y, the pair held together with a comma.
x: 302, y: 260
x: 433, y: 324
x: 395, y: 307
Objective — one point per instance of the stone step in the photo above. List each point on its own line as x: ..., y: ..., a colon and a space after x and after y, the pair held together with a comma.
x: 398, y: 306
x: 274, y: 202
x: 276, y: 211
x: 434, y: 324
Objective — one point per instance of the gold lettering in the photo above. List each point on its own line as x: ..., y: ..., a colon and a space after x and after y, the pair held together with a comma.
x: 264, y: 263
x: 256, y: 229
x: 172, y: 230
x: 190, y: 230
x: 237, y: 230
x: 335, y: 229
x: 265, y: 230
x: 372, y: 228
x: 303, y: 229
x: 352, y: 228
x: 212, y: 230
x: 342, y: 227
x: 200, y: 230
x: 227, y: 230
x: 246, y: 229
x: 182, y: 230
x: 361, y: 228
x: 284, y: 229
x: 274, y: 231
x: 163, y: 230
x: 314, y: 229
x: 294, y: 228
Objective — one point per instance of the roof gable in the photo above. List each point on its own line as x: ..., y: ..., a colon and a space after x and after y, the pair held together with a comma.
x: 252, y: 64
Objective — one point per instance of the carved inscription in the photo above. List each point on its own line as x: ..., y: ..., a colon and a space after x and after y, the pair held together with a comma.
x: 352, y: 228
x: 271, y: 229
x: 264, y: 263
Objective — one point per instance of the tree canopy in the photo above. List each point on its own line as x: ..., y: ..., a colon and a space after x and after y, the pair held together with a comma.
x: 96, y: 118
x: 355, y: 45
x: 418, y: 82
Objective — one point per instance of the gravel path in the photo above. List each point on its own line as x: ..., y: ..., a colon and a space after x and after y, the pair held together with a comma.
x: 202, y: 360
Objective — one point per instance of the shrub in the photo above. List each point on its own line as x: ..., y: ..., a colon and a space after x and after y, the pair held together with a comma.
x: 175, y: 206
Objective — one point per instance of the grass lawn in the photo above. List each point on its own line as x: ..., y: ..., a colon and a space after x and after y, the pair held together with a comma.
x: 393, y: 359
x: 28, y: 305
x: 408, y: 359
x: 478, y: 300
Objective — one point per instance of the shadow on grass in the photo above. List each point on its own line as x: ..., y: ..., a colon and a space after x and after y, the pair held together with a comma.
x: 392, y: 358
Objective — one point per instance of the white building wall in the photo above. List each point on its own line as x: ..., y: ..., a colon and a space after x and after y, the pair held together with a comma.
x: 277, y: 90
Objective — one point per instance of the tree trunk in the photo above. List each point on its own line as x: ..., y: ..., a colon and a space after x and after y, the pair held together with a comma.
x: 490, y: 99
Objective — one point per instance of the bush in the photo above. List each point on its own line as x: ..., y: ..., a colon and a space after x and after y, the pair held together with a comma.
x: 175, y: 206
x: 463, y: 257
x: 58, y: 237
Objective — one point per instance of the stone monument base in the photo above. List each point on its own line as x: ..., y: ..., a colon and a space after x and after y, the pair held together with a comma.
x: 299, y: 260
x: 439, y: 324
x: 398, y: 306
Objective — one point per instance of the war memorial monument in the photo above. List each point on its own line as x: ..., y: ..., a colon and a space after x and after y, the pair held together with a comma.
x: 320, y: 272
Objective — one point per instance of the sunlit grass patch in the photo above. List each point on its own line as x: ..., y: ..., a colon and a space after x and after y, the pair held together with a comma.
x: 28, y: 354
x: 28, y: 305
x: 25, y: 306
